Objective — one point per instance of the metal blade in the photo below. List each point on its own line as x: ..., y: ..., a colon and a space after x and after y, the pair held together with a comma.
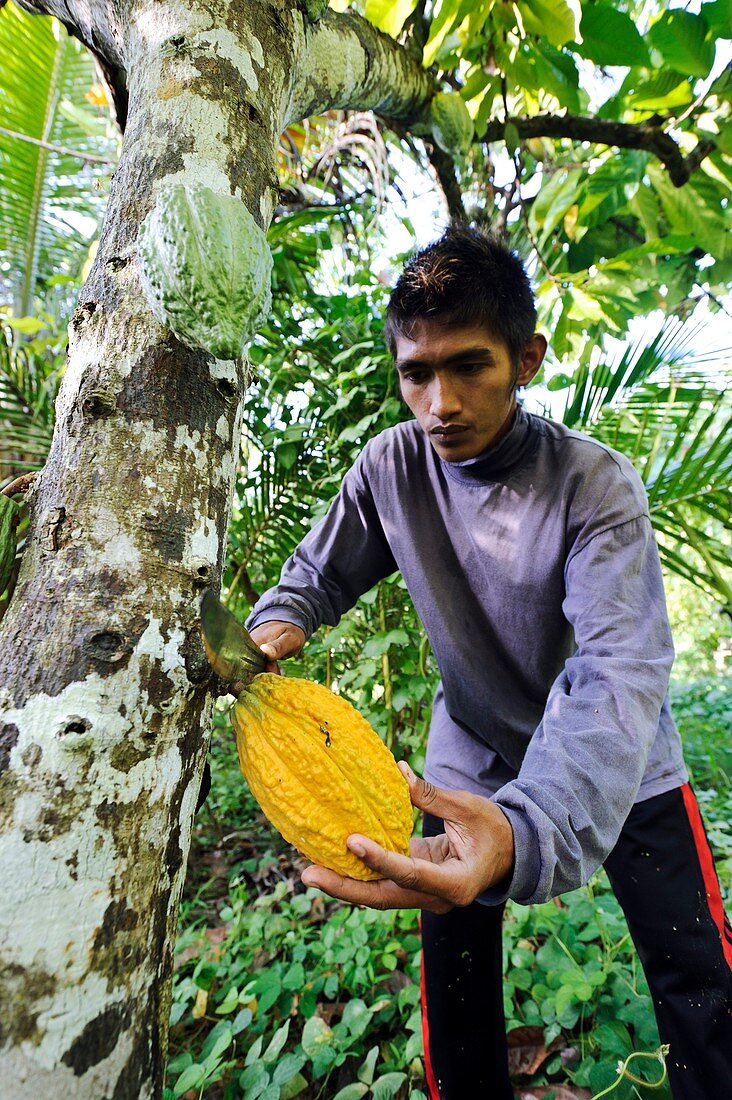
x: 229, y: 647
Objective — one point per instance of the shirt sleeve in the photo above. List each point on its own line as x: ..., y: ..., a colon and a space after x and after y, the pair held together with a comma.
x: 585, y: 762
x: 342, y: 557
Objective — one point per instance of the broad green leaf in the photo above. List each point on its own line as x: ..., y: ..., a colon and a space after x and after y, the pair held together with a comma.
x: 667, y: 89
x: 556, y: 20
x: 718, y: 16
x: 610, y: 37
x: 29, y: 326
x: 389, y: 15
x: 293, y: 1087
x: 440, y: 27
x: 276, y: 1044
x: 315, y: 1036
x: 685, y: 42
x: 366, y: 1071
x: 686, y: 209
x: 288, y: 1067
x: 353, y: 1091
x: 387, y: 1085
x: 191, y: 1078
x: 553, y: 201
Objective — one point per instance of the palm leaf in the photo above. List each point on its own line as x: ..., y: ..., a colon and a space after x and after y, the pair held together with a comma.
x: 50, y: 199
x: 29, y: 382
x: 667, y: 409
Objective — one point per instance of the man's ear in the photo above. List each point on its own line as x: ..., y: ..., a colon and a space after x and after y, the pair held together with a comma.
x: 531, y: 359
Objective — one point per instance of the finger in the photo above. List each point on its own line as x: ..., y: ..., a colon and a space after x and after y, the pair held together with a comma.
x: 444, y: 879
x: 379, y: 894
x: 454, y: 806
x: 434, y: 848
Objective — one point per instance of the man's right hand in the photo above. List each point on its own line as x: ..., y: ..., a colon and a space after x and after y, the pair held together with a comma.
x: 278, y: 640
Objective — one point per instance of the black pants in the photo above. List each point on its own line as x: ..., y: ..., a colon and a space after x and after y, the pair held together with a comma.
x: 662, y: 874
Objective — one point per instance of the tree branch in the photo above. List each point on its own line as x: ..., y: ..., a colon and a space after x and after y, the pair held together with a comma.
x: 444, y: 167
x: 625, y: 135
x: 347, y: 64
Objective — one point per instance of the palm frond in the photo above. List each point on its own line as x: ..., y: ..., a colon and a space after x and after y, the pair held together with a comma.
x: 52, y: 194
x: 29, y: 382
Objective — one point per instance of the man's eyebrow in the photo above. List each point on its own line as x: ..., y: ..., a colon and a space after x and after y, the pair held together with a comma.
x: 478, y: 352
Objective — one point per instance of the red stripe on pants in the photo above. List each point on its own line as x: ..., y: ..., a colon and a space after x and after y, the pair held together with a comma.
x: 711, y: 882
x: 432, y: 1089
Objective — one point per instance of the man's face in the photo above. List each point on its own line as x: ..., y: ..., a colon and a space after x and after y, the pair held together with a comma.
x: 460, y: 383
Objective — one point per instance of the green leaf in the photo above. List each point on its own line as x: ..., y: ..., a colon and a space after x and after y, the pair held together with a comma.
x: 29, y: 326
x: 241, y: 1021
x: 718, y: 17
x: 287, y: 1067
x: 511, y: 137
x: 315, y: 1036
x: 686, y: 207
x: 366, y: 1071
x: 387, y: 1085
x: 389, y: 15
x: 556, y: 20
x: 685, y: 42
x: 666, y: 89
x: 382, y: 642
x: 254, y: 1079
x: 293, y: 1087
x: 191, y: 1078
x: 610, y: 37
x: 440, y: 27
x: 553, y: 202
x: 278, y: 1041
x: 353, y: 1091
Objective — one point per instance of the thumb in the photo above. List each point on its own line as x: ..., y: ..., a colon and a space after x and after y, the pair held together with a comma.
x: 449, y: 805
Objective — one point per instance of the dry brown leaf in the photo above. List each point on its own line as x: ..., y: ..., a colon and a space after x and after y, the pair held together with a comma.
x: 199, y: 1008
x: 526, y: 1049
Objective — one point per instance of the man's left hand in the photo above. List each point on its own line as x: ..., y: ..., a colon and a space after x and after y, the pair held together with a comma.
x: 475, y: 851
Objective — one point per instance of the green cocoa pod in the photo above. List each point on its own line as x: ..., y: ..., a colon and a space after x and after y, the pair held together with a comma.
x: 205, y: 267
x: 9, y: 517
x: 452, y: 126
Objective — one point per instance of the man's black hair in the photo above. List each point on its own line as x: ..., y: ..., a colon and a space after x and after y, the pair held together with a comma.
x: 464, y: 278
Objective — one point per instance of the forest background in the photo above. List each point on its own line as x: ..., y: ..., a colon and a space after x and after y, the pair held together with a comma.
x: 277, y: 991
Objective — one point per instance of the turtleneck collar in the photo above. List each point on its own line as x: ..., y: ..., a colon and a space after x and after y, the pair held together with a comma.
x: 496, y: 461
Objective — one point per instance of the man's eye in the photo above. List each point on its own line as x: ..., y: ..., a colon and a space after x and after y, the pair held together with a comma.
x: 415, y: 376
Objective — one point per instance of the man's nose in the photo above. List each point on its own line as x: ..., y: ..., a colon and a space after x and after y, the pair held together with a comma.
x: 444, y: 398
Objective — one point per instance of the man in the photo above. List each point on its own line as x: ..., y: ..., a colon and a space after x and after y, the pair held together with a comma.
x: 529, y: 555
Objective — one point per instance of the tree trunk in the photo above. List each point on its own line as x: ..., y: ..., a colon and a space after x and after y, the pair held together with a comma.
x: 105, y: 699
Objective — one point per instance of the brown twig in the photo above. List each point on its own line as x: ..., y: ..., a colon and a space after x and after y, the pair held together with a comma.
x: 19, y: 484
x: 625, y: 135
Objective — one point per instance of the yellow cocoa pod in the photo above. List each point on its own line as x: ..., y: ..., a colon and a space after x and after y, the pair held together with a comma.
x: 320, y: 772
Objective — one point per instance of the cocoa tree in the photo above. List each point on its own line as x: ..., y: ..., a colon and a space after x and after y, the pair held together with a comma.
x: 106, y: 693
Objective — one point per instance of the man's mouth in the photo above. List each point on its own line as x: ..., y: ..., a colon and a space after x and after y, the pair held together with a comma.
x: 447, y: 431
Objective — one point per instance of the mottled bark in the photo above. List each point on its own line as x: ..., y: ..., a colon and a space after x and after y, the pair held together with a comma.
x: 105, y: 708
x: 106, y: 695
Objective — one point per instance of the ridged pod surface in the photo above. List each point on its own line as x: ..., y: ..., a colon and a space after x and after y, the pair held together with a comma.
x: 205, y: 267
x: 452, y: 126
x: 320, y: 772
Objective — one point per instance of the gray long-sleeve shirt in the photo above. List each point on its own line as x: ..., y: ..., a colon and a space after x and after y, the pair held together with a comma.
x: 534, y: 570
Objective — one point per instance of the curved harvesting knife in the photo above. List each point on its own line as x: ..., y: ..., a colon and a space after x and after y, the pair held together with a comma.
x: 229, y: 647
